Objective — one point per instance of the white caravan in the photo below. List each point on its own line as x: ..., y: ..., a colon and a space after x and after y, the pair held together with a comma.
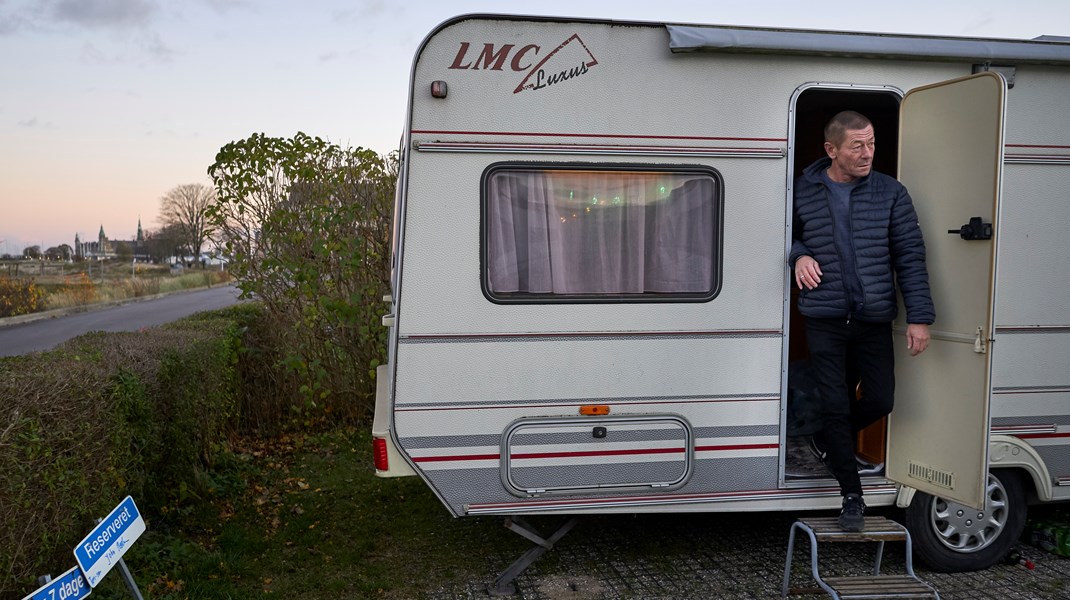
x: 591, y: 310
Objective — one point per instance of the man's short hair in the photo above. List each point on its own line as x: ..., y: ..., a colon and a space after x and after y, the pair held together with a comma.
x: 838, y: 125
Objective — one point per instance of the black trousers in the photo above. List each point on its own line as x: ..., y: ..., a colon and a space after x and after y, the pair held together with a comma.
x: 841, y: 354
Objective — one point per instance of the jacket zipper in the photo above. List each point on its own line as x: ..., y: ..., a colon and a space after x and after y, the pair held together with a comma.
x: 851, y: 232
x: 854, y: 253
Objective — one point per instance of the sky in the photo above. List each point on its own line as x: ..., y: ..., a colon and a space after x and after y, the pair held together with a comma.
x: 106, y: 105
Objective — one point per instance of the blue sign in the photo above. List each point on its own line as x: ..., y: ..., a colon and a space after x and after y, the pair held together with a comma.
x: 69, y: 586
x: 105, y: 545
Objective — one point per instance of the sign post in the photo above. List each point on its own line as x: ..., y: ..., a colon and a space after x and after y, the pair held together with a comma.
x: 105, y: 546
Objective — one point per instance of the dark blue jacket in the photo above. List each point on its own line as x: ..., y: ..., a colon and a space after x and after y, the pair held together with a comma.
x: 886, y: 246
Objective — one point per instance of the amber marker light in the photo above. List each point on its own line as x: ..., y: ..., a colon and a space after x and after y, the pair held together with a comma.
x: 594, y: 410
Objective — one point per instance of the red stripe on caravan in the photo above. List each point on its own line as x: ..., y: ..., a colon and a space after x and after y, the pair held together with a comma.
x: 575, y: 334
x: 599, y: 453
x: 1034, y: 146
x: 558, y: 147
x: 456, y: 457
x: 737, y: 447
x: 574, y: 405
x: 589, y: 453
x: 597, y: 135
x: 1044, y: 435
x: 536, y: 455
x: 741, y: 494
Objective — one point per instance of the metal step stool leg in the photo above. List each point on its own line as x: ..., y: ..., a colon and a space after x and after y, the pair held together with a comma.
x: 787, y: 563
x: 813, y: 561
x: 880, y: 553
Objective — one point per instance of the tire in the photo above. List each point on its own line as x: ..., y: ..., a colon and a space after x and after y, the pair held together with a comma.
x: 950, y: 537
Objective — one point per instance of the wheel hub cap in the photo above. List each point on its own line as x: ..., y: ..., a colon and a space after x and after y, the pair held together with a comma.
x: 966, y: 529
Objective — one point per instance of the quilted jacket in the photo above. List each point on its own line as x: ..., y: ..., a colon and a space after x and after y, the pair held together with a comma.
x: 886, y: 245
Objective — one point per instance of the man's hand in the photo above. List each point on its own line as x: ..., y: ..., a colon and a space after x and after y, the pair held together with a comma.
x: 917, y: 338
x: 808, y: 273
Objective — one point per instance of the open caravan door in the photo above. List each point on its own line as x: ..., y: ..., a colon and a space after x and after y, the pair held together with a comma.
x: 950, y: 160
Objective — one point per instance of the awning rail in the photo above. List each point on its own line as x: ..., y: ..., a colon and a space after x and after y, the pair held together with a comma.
x: 691, y: 38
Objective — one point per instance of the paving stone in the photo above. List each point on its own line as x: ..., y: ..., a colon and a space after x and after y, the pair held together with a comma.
x: 730, y: 556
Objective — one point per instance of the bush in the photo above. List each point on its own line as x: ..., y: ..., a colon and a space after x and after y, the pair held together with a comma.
x: 268, y: 399
x: 307, y: 227
x: 106, y: 415
x: 19, y: 297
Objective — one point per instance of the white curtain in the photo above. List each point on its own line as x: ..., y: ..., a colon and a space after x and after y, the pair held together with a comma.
x: 578, y: 232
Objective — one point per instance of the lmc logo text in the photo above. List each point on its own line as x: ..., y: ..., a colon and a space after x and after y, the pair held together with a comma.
x: 567, y: 61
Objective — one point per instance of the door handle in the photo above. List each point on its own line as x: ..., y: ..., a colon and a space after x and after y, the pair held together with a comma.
x: 976, y: 229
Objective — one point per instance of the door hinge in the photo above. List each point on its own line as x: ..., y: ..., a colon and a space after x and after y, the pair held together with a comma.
x: 1008, y: 71
x: 979, y: 343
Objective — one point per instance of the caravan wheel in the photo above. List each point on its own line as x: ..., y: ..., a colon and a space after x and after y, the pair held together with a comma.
x: 951, y: 537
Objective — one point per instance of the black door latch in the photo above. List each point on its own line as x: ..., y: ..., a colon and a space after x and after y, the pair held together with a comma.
x: 976, y: 229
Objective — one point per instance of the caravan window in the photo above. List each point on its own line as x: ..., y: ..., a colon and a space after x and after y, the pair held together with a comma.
x: 600, y: 234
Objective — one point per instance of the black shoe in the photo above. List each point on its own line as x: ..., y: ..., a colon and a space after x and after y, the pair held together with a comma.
x: 867, y: 468
x: 852, y: 515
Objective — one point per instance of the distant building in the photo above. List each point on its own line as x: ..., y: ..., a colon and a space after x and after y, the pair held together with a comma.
x: 104, y: 248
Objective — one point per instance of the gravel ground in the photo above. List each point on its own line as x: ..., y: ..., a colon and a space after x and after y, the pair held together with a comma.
x: 708, y: 556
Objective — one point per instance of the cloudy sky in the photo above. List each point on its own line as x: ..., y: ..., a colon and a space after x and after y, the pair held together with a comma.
x: 105, y: 105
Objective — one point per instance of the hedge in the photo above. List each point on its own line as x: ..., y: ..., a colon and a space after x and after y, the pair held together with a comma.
x: 103, y: 416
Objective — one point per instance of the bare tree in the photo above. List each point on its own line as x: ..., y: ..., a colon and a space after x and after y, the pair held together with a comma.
x: 123, y: 251
x: 183, y: 208
x: 61, y: 252
x: 163, y: 243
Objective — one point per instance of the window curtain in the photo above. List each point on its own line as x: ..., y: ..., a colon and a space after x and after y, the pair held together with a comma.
x: 600, y: 232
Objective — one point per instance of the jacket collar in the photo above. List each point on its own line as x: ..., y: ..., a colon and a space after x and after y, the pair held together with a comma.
x: 812, y: 174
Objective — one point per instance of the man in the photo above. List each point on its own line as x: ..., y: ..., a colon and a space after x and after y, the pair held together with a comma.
x: 856, y: 238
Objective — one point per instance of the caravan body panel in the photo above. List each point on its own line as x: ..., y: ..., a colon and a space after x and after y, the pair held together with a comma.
x: 466, y: 366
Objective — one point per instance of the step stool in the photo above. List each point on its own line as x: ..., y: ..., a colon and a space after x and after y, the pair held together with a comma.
x: 876, y: 529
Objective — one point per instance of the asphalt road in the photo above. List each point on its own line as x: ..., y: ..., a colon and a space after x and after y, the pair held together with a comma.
x: 22, y: 336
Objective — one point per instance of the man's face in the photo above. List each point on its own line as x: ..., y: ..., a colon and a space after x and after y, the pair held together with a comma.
x: 854, y: 156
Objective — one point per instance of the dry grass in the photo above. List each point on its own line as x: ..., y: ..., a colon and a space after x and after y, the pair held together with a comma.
x: 75, y: 284
x: 78, y: 290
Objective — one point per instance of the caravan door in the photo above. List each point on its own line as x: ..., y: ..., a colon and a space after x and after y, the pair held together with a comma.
x: 950, y: 159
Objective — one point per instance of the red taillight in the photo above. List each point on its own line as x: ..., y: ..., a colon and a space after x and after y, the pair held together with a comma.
x: 379, y: 454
